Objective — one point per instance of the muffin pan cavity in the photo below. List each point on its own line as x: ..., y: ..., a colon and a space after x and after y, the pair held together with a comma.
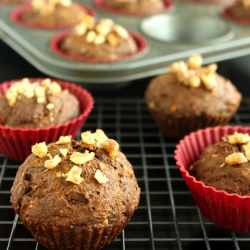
x: 170, y: 36
x: 183, y: 29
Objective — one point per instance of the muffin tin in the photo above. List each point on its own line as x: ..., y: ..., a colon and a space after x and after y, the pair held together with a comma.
x: 186, y: 28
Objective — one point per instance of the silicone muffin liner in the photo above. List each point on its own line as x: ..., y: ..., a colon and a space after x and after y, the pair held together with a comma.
x: 229, y: 211
x: 225, y: 14
x: 100, y: 4
x: 15, y: 143
x: 16, y: 14
x: 56, y: 40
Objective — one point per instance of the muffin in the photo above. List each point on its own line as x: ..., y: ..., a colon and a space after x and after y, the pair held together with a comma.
x: 239, y: 12
x: 14, y: 1
x: 76, y: 194
x: 136, y: 6
x: 38, y: 104
x: 39, y: 109
x: 97, y: 41
x: 50, y: 13
x: 191, y: 97
x: 214, y: 163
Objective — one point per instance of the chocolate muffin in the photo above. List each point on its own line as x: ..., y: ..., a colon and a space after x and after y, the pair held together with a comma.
x: 49, y: 13
x: 240, y: 9
x: 75, y: 194
x: 101, y: 40
x: 225, y: 165
x: 191, y: 97
x: 136, y: 6
x: 37, y: 103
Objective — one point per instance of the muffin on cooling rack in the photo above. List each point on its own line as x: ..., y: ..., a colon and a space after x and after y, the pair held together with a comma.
x: 238, y: 12
x: 50, y: 13
x: 38, y: 109
x: 214, y: 162
x: 190, y: 97
x: 136, y: 6
x: 97, y: 41
x: 76, y: 194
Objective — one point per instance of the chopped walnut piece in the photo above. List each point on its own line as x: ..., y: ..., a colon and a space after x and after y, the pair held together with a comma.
x: 99, y: 39
x: 120, y: 31
x: 40, y: 149
x: 100, y: 177
x: 87, y: 137
x: 55, y: 88
x: 64, y: 139
x: 235, y: 158
x: 179, y: 66
x: 100, y: 136
x: 50, y: 106
x: 74, y: 175
x: 52, y: 163
x: 79, y: 158
x: 210, y: 69
x: 113, y: 40
x: 80, y: 29
x: 11, y: 98
x: 103, y: 27
x: 111, y: 147
x: 238, y: 138
x: 194, y: 61
x: 247, y: 151
x: 89, y: 21
x: 91, y: 35
x: 101, y: 165
x: 194, y: 81
x: 63, y: 151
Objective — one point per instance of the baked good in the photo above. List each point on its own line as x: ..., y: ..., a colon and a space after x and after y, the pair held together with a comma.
x: 76, y: 194
x: 190, y: 97
x: 101, y: 40
x: 239, y: 11
x: 216, y: 175
x: 51, y: 13
x: 15, y: 142
x: 136, y: 6
x: 37, y: 104
x: 228, y: 167
x: 14, y: 1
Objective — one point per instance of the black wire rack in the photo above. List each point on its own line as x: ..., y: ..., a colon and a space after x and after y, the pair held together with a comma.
x: 167, y: 217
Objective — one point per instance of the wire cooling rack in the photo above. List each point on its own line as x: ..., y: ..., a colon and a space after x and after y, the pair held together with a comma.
x: 167, y: 217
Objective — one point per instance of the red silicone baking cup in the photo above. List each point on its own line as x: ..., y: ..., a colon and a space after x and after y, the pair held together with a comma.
x: 56, y: 40
x: 100, y: 4
x: 16, y: 14
x: 16, y: 143
x: 230, y: 211
x: 225, y: 14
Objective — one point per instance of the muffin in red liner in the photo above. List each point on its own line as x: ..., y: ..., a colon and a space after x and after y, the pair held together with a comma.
x: 17, y: 13
x: 16, y: 143
x: 167, y: 5
x: 228, y: 210
x: 236, y: 13
x: 111, y: 42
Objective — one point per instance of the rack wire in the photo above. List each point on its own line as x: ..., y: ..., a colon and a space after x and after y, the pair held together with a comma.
x: 167, y: 217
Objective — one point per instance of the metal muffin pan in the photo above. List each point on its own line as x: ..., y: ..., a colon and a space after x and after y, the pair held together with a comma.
x: 173, y: 35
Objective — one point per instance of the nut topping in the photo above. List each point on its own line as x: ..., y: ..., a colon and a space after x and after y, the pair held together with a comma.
x: 87, y: 137
x: 111, y: 147
x: 63, y: 151
x: 64, y: 139
x: 235, y: 158
x: 193, y: 74
x: 52, y: 163
x: 79, y: 158
x: 238, y: 138
x: 40, y: 149
x: 74, y: 175
x: 100, y: 177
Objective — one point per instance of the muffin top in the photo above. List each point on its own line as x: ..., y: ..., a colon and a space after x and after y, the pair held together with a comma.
x: 136, y: 6
x: 240, y: 9
x: 225, y: 165
x: 99, y: 39
x: 75, y: 183
x: 53, y: 12
x: 189, y: 89
x: 37, y: 103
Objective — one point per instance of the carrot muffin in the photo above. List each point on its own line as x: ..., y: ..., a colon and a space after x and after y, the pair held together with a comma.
x: 98, y: 40
x: 190, y: 97
x: 76, y: 194
x: 136, y: 6
x: 37, y: 103
x: 225, y: 165
x: 49, y: 13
